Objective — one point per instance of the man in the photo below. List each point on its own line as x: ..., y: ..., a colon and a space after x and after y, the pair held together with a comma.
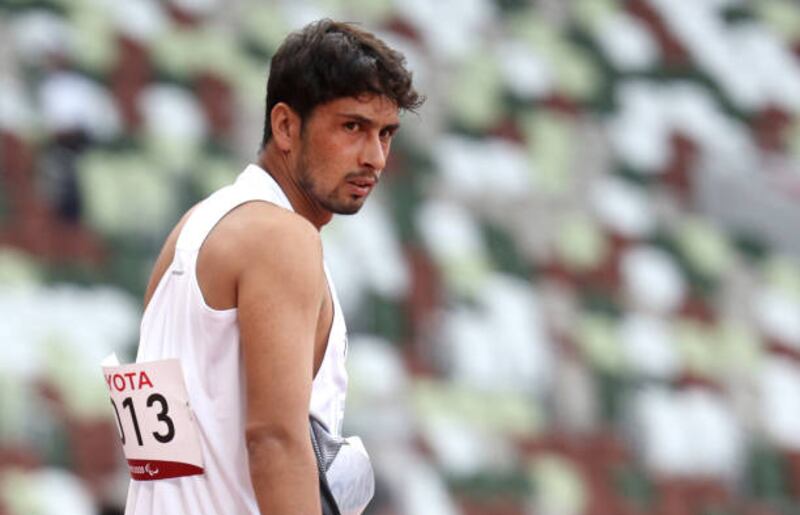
x: 241, y: 297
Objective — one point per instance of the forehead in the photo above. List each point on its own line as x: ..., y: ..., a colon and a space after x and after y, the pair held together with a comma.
x: 378, y: 108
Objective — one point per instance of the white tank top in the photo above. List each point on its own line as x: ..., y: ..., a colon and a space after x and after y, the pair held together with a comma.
x: 179, y: 324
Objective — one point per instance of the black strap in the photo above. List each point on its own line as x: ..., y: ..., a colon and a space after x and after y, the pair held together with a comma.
x: 329, y: 506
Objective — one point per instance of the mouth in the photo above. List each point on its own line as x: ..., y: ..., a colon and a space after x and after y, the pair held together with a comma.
x: 361, y: 186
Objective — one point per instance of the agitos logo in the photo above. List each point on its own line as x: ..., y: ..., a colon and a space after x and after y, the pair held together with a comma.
x: 151, y: 470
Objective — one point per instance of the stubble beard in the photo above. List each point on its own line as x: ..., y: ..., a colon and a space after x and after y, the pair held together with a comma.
x: 329, y: 201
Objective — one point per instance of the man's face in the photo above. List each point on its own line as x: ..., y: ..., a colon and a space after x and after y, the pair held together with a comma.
x: 344, y: 147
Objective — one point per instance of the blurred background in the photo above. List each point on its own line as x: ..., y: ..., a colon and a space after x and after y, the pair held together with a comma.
x: 577, y: 290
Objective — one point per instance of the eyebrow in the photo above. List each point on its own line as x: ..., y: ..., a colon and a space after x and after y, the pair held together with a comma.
x: 368, y: 121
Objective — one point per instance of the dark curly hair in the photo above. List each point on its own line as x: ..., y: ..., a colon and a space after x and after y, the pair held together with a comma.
x: 326, y: 60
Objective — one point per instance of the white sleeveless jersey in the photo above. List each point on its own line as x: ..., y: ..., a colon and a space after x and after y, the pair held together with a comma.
x: 179, y: 324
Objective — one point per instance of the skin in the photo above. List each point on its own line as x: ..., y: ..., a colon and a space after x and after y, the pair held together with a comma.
x: 326, y: 165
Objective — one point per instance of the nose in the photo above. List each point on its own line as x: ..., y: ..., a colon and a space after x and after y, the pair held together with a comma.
x: 374, y: 153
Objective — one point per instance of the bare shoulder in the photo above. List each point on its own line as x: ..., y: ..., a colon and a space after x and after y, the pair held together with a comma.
x: 259, y: 243
x: 263, y: 229
x: 280, y: 258
x: 255, y: 241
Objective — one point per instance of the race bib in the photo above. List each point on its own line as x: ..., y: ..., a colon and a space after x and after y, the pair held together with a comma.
x: 158, y: 431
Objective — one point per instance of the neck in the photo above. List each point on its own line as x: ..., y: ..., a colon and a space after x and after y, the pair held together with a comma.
x: 282, y: 169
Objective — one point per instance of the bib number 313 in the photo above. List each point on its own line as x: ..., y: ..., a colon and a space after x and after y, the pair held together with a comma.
x: 156, y: 427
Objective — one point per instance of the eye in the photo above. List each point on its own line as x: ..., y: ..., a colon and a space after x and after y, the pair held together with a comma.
x: 387, y: 134
x: 351, y: 126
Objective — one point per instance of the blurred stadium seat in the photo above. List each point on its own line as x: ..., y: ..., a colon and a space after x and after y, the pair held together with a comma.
x: 578, y: 291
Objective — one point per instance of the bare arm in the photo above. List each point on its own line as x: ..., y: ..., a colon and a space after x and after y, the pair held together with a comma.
x: 280, y: 292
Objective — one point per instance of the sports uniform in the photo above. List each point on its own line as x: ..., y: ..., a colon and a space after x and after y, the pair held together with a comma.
x: 179, y: 324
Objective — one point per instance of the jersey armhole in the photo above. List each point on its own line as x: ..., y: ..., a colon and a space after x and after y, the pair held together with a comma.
x: 199, y: 239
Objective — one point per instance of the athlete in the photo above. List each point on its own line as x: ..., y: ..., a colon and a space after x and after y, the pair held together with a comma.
x: 241, y: 298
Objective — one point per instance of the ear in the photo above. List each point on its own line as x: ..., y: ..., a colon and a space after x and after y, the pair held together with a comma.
x: 285, y: 126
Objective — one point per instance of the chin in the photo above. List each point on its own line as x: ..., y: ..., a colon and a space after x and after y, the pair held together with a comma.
x: 347, y: 208
x: 343, y: 205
